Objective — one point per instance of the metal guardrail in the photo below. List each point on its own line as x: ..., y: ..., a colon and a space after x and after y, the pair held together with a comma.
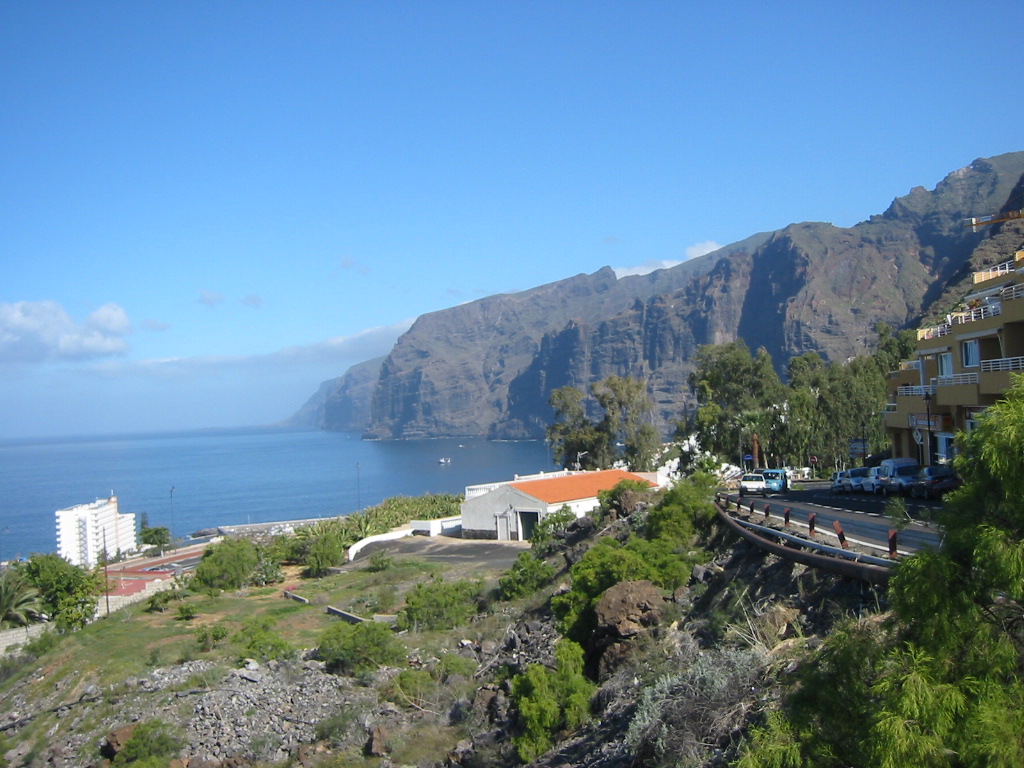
x: 814, y: 554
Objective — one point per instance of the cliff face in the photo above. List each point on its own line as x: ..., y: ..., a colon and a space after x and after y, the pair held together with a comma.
x: 449, y: 374
x: 488, y: 367
x: 342, y: 403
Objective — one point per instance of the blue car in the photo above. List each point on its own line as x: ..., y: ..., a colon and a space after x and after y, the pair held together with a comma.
x: 775, y: 480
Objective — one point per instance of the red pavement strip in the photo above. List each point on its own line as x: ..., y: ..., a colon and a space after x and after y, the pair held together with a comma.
x: 131, y: 577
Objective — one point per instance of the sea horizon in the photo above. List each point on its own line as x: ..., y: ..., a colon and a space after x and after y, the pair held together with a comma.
x: 196, y: 479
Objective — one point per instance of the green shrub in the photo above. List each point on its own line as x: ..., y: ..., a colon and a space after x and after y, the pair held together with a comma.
x: 527, y: 575
x: 157, y: 602
x: 355, y: 648
x: 603, y: 566
x: 152, y: 743
x: 324, y: 552
x: 379, y: 561
x: 551, y: 701
x: 187, y: 612
x: 439, y: 605
x: 451, y: 665
x: 543, y: 539
x: 38, y: 646
x: 411, y: 688
x: 259, y: 640
x: 227, y: 565
x: 209, y: 635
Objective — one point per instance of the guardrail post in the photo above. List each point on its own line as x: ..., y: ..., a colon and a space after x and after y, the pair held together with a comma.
x: 785, y: 517
x: 892, y: 542
x: 751, y: 506
x: 840, y: 534
x: 767, y: 508
x: 810, y: 523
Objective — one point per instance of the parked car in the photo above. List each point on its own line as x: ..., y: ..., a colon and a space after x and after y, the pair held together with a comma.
x: 776, y: 480
x: 838, y: 481
x: 932, y: 482
x: 896, y: 475
x: 753, y: 483
x: 854, y: 478
x: 872, y: 483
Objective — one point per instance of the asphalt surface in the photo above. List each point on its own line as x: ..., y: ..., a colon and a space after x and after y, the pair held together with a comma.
x: 487, y: 553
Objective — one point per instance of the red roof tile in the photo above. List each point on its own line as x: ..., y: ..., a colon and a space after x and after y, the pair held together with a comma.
x: 586, y: 485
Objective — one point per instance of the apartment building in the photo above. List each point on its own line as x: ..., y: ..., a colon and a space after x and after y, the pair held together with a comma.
x: 961, y: 367
x: 86, y: 531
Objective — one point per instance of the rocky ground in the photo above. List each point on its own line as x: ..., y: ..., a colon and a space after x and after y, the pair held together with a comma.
x: 680, y: 676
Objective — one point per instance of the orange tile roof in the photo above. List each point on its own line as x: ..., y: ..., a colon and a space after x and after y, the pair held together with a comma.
x: 585, y: 485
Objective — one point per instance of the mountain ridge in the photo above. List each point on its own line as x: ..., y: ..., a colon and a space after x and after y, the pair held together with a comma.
x: 488, y: 367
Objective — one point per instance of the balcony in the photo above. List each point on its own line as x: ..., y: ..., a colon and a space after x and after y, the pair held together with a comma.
x: 959, y: 318
x: 1003, y: 364
x: 956, y: 379
x: 995, y: 374
x: 915, y: 390
x: 997, y: 271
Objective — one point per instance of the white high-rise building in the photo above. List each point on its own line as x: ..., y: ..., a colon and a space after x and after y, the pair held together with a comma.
x: 85, y: 531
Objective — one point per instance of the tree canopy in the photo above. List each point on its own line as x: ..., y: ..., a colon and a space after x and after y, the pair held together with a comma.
x: 626, y: 421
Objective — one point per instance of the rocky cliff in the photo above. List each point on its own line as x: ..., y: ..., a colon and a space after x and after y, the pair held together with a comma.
x: 488, y: 367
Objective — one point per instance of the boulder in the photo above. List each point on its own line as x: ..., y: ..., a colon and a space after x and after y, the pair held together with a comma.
x: 628, y: 608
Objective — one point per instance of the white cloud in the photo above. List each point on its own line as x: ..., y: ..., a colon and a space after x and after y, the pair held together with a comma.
x: 39, y: 331
x: 699, y: 249
x: 339, y: 352
x: 210, y: 298
x: 252, y: 300
x: 692, y: 252
x: 645, y: 268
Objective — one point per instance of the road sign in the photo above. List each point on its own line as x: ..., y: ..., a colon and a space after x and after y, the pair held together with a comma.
x: 814, y: 459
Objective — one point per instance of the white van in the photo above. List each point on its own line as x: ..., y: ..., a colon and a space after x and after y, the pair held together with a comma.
x: 896, y: 475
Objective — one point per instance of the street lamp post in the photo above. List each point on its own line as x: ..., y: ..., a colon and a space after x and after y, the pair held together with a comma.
x: 863, y: 443
x: 580, y: 455
x: 928, y: 439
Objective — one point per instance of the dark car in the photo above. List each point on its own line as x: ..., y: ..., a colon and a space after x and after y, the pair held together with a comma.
x: 932, y: 482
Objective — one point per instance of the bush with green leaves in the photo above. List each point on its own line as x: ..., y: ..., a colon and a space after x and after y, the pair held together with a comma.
x: 187, y: 612
x: 550, y: 701
x: 414, y: 688
x: 545, y: 534
x: 209, y: 635
x: 356, y: 648
x: 227, y: 565
x: 439, y: 604
x: 258, y: 639
x: 604, y: 565
x: 380, y: 561
x: 69, y: 593
x: 527, y: 574
x: 152, y: 744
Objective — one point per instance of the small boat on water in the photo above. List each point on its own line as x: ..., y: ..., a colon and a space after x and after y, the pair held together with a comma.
x: 444, y: 460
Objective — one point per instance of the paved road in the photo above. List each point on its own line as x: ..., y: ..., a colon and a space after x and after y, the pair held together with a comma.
x: 861, y: 515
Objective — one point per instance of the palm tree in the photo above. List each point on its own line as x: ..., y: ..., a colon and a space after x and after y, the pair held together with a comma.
x: 20, y: 603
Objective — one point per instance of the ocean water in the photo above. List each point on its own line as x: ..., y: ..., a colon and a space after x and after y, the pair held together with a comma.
x: 231, y: 477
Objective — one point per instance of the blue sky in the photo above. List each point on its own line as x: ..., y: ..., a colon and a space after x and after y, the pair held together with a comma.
x: 208, y: 208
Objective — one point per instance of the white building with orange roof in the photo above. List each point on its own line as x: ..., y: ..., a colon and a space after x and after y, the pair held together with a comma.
x: 509, y: 511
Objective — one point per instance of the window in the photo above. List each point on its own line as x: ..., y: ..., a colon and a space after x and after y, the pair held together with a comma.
x: 969, y: 353
x: 946, y: 364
